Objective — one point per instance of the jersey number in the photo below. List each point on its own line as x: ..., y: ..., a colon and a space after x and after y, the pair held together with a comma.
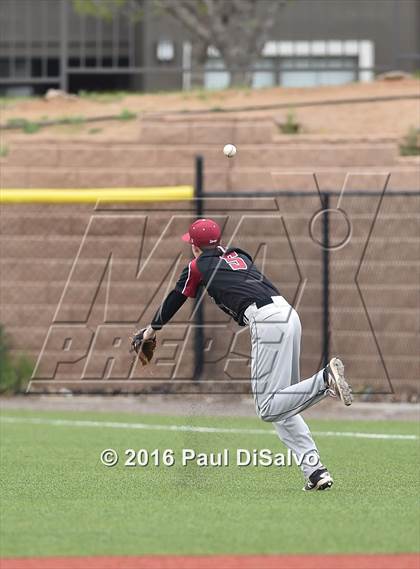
x: 235, y: 262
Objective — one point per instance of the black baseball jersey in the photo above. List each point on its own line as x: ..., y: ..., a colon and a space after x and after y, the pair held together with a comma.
x: 230, y: 278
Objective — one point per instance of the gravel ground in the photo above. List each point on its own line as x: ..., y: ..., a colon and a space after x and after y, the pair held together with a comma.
x: 229, y: 405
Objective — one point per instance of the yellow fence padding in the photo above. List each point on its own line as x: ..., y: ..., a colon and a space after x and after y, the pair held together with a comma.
x: 93, y: 195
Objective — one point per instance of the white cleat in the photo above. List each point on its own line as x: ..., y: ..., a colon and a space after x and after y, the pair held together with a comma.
x: 337, y: 384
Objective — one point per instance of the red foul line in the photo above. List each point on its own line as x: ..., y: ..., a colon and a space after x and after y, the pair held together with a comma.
x: 402, y: 561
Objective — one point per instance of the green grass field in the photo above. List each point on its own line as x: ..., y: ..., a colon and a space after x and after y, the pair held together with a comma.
x: 58, y: 499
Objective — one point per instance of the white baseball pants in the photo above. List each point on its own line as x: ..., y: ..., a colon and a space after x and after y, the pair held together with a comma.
x: 278, y: 392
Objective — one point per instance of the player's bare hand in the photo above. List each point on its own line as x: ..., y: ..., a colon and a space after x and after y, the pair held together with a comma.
x: 149, y: 333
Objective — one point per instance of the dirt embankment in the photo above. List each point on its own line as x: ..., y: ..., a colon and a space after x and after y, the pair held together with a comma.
x: 392, y: 116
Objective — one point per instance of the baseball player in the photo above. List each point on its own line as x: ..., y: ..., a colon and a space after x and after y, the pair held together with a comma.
x: 239, y: 289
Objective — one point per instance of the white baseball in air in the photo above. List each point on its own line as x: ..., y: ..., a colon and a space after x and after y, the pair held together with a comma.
x: 229, y: 150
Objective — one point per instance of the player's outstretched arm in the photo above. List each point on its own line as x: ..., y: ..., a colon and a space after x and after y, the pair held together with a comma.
x: 186, y: 287
x: 143, y: 342
x: 167, y: 309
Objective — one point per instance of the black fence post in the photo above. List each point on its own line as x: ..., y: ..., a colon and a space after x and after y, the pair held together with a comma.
x: 64, y: 47
x: 325, y: 279
x: 199, y: 308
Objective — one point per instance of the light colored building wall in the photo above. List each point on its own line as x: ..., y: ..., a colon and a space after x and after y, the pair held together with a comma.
x: 33, y: 30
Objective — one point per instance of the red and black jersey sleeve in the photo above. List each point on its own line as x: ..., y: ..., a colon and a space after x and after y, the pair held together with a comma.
x: 186, y: 286
x: 168, y: 309
x: 190, y: 280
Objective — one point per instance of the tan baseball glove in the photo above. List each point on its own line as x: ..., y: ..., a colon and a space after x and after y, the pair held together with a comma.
x: 143, y: 348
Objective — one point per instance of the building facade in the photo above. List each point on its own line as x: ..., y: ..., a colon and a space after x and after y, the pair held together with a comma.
x: 47, y: 43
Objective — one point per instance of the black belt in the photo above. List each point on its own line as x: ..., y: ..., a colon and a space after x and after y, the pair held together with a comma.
x: 263, y: 302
